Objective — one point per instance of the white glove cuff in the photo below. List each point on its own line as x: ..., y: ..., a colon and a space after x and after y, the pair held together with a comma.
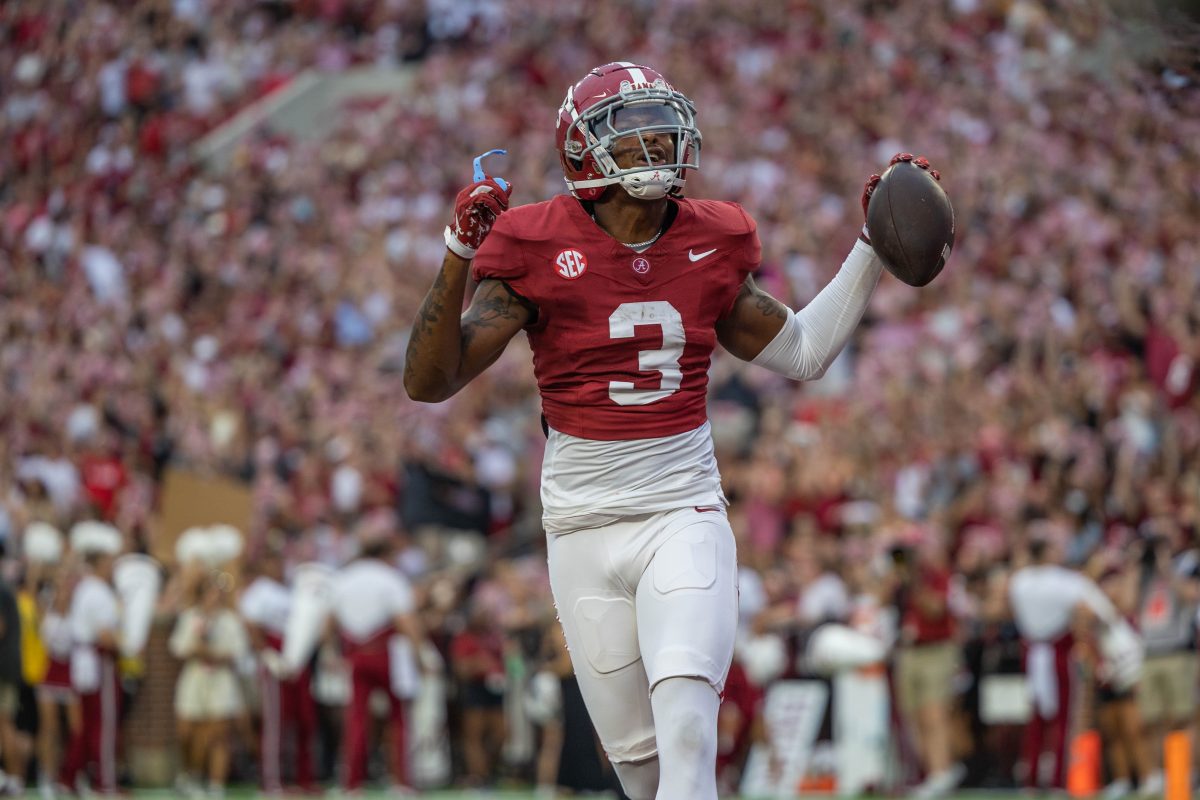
x: 458, y: 248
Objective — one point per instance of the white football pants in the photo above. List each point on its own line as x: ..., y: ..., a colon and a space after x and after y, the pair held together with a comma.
x: 641, y: 600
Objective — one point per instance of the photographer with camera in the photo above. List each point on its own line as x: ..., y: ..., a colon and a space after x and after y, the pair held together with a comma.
x: 1168, y: 595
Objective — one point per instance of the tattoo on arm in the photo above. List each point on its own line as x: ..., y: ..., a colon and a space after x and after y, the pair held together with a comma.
x: 494, y: 306
x: 765, y: 304
x: 432, y: 306
x: 447, y: 348
x: 770, y: 307
x: 431, y: 310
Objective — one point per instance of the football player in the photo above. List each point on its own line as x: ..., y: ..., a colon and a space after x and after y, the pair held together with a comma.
x: 624, y: 288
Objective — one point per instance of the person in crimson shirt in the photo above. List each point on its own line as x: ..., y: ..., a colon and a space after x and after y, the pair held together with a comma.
x: 103, y: 474
x: 477, y: 658
x: 928, y: 659
x: 737, y: 724
x: 624, y: 288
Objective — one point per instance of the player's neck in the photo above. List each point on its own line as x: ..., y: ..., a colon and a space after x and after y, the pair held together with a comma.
x: 629, y: 220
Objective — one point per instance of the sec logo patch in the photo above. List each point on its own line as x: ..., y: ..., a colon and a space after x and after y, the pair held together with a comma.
x: 570, y: 264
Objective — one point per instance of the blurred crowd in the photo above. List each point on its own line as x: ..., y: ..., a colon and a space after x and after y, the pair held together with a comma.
x: 158, y: 315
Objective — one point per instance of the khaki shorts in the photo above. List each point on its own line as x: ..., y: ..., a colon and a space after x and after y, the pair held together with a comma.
x: 9, y: 700
x: 1167, y: 692
x: 925, y: 674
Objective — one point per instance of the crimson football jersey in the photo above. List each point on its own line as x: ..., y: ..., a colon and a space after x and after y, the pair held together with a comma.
x: 623, y: 340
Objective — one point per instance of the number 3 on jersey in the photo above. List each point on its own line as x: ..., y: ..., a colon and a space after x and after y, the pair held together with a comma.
x: 665, y: 360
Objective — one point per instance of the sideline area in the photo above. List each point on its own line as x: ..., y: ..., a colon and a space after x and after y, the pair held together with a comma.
x: 248, y: 793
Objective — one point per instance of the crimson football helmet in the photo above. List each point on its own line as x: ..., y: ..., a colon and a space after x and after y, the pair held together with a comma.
x: 615, y: 102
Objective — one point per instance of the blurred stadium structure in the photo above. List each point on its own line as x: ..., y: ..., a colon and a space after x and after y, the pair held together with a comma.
x: 218, y: 217
x: 308, y: 108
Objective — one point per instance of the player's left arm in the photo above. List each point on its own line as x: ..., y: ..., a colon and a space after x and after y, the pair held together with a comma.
x: 801, y: 344
x: 754, y: 321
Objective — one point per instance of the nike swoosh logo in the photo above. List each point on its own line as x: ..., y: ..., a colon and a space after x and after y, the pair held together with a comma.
x: 697, y: 256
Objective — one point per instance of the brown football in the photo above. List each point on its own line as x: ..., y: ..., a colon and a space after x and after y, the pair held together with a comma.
x: 911, y: 223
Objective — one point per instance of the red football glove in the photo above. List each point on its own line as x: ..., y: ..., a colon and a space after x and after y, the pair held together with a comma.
x: 475, y: 211
x: 873, y: 181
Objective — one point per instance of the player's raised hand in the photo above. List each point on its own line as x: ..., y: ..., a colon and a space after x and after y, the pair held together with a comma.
x: 873, y: 181
x: 910, y: 220
x: 917, y: 161
x: 475, y: 210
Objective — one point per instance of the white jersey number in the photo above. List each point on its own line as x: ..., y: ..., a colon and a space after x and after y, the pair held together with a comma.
x: 664, y: 360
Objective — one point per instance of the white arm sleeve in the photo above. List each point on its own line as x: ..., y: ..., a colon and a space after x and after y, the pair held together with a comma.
x: 812, y: 337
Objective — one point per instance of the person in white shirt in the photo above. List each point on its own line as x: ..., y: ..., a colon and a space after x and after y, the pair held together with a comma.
x: 209, y: 639
x: 374, y: 612
x: 94, y: 621
x: 287, y: 702
x: 1050, y: 604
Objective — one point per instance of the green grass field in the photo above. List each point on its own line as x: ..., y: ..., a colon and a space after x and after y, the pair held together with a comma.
x: 240, y: 793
